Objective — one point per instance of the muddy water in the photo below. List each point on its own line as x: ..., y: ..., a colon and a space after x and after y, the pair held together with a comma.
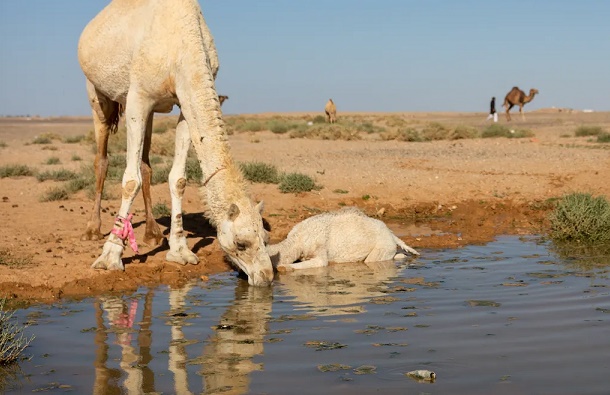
x: 505, y: 318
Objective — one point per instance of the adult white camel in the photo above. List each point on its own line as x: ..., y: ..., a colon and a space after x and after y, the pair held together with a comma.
x: 149, y: 55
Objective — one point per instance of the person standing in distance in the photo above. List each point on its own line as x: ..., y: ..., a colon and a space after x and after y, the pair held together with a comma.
x: 492, y: 110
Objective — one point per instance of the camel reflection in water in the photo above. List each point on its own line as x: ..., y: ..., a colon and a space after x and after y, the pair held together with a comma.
x: 226, y: 361
x: 341, y: 288
x: 227, y: 358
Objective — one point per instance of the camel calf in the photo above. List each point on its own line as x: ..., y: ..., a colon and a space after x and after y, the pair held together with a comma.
x: 331, y: 111
x: 347, y: 235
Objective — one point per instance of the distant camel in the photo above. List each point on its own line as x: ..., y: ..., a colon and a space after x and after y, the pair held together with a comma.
x: 222, y: 98
x: 516, y: 97
x: 346, y: 235
x: 331, y: 111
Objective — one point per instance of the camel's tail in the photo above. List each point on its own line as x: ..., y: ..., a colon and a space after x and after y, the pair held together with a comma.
x: 404, y: 246
x: 115, y: 117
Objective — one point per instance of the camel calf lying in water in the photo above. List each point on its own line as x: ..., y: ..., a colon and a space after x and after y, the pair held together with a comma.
x: 347, y: 235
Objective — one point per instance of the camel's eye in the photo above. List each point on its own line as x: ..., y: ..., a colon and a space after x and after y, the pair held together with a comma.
x: 242, y: 245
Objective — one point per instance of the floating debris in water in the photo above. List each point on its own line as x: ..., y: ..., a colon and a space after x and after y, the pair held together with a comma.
x: 323, y: 345
x: 333, y: 367
x: 422, y: 375
x: 485, y: 303
x: 365, y: 369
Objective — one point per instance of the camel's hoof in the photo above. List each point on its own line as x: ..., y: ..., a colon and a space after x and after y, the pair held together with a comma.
x: 110, y: 258
x: 101, y: 263
x: 183, y: 256
x: 153, y: 240
x: 91, y: 235
x: 400, y: 256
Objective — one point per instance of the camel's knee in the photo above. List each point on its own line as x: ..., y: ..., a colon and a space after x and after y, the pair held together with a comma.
x: 131, y: 188
x: 178, y: 187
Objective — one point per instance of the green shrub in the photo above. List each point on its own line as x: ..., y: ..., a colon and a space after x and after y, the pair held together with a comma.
x: 585, y: 130
x: 464, y: 132
x: 42, y: 140
x: 581, y: 217
x: 260, y: 172
x: 79, y: 183
x: 3, y: 144
x: 193, y: 170
x: 15, y: 171
x: 57, y: 175
x: 161, y: 210
x: 319, y: 119
x: 435, y: 131
x: 603, y: 137
x: 280, y: 126
x: 13, y: 260
x: 408, y: 134
x: 160, y: 174
x: 333, y: 131
x: 74, y: 139
x: 495, y: 130
x: 251, y: 126
x: 12, y: 340
x: 76, y: 158
x: 296, y: 182
x: 53, y: 161
x: 55, y: 194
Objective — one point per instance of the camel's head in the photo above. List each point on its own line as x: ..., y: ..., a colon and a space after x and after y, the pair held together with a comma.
x: 242, y: 237
x: 533, y: 91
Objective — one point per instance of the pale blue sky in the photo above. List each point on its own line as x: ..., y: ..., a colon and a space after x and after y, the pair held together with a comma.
x: 368, y: 55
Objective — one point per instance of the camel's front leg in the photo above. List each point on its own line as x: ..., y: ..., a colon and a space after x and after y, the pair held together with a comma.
x: 522, y: 113
x: 178, y: 248
x: 317, y: 261
x: 137, y: 112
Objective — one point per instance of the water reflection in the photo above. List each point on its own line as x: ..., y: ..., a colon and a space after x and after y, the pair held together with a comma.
x: 341, y: 288
x: 238, y: 338
x: 226, y: 360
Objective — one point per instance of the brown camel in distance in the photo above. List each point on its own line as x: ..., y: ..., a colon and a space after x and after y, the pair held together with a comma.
x: 152, y: 235
x: 516, y: 97
x: 331, y: 111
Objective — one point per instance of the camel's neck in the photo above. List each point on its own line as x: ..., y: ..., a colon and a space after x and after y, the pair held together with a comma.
x: 529, y: 98
x: 284, y: 252
x: 224, y: 185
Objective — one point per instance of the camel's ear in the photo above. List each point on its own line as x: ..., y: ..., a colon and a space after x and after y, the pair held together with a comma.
x: 233, y: 212
x: 260, y: 206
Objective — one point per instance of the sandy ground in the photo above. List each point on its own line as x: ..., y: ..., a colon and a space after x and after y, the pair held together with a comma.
x: 442, y: 194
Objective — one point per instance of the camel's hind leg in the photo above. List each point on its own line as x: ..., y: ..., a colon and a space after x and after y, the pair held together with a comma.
x: 522, y: 113
x: 153, y: 235
x: 381, y: 253
x: 178, y: 248
x: 105, y: 119
x: 138, y: 109
x: 508, y: 108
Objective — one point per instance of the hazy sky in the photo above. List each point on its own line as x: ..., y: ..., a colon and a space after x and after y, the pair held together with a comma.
x: 368, y: 55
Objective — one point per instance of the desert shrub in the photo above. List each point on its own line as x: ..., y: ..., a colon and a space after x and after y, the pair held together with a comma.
x: 408, y: 134
x: 15, y: 171
x: 333, y: 131
x: 193, y: 170
x: 280, y: 126
x: 49, y: 148
x: 74, y: 139
x: 76, y: 158
x: 155, y: 160
x: 12, y: 340
x: 260, y: 172
x: 250, y: 126
x: 603, y: 137
x: 161, y: 210
x: 53, y: 161
x: 55, y: 194
x: 319, y: 119
x: 435, y: 131
x: 464, y: 132
x: 296, y: 182
x: 3, y: 144
x: 57, y: 175
x: 79, y: 183
x: 341, y: 191
x: 585, y: 130
x: 160, y: 174
x: 13, y: 259
x: 581, y: 217
x: 367, y: 127
x: 42, y: 140
x: 495, y: 130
